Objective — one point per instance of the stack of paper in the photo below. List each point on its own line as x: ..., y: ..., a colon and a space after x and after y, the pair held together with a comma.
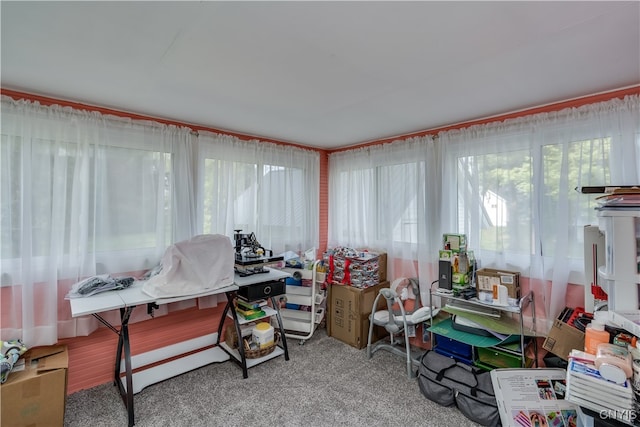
x: 620, y: 198
x: 587, y: 388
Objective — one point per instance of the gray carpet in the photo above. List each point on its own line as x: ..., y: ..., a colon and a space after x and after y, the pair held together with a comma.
x: 325, y: 383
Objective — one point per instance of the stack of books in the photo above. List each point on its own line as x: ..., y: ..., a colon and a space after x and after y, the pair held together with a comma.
x: 250, y: 310
x: 620, y: 198
x: 587, y: 388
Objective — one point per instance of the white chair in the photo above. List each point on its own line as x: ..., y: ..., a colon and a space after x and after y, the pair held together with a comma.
x: 396, y: 319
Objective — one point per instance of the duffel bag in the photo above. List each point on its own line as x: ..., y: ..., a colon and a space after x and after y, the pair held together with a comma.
x: 447, y: 382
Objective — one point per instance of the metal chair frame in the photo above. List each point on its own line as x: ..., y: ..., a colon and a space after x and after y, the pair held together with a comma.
x: 396, y: 324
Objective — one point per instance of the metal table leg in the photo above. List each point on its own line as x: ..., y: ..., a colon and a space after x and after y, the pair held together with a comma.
x: 123, y: 347
x: 283, y: 336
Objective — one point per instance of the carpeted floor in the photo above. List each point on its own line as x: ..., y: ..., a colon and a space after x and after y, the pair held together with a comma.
x: 325, y: 383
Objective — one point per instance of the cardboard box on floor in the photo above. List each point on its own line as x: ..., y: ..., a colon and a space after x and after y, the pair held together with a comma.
x: 562, y: 338
x: 36, y: 395
x: 348, y: 313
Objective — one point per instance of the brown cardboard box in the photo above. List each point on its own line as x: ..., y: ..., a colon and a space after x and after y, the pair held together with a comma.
x: 382, y: 266
x: 36, y: 395
x: 562, y: 338
x: 348, y: 313
x: 487, y: 277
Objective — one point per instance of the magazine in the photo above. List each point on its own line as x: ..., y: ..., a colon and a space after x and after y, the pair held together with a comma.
x: 533, y: 397
x: 575, y: 390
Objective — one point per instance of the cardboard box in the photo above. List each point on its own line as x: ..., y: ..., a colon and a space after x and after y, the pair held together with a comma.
x: 348, y: 313
x: 382, y: 266
x: 487, y: 277
x: 36, y: 396
x: 562, y: 338
x: 454, y: 242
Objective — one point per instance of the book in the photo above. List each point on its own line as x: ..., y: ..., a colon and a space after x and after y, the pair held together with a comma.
x: 586, y: 387
x: 590, y: 375
x: 621, y: 397
x: 248, y: 312
x: 251, y: 316
x: 580, y: 388
x: 250, y: 305
x: 574, y: 393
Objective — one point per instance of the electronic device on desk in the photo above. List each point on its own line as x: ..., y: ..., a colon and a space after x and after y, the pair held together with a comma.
x: 445, y: 284
x: 250, y: 257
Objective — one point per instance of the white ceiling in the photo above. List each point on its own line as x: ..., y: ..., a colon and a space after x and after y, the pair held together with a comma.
x: 322, y: 74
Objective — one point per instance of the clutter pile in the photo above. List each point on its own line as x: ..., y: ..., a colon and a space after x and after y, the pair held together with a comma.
x: 98, y: 284
x: 357, y: 268
x: 11, y: 352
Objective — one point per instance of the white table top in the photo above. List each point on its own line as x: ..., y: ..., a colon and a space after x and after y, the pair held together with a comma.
x: 96, y: 303
x: 133, y: 295
x: 273, y: 274
x: 130, y: 297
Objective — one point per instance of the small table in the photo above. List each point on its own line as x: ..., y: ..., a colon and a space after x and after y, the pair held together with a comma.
x: 126, y: 300
x: 260, y: 286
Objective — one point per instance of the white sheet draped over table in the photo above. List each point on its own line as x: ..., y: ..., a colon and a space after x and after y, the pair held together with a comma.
x: 193, y: 266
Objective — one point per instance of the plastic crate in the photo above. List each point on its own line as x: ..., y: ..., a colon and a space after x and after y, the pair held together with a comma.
x: 465, y: 351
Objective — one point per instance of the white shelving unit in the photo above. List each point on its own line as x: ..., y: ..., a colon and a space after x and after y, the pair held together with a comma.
x: 301, y: 324
x: 620, y: 275
x: 269, y: 313
x: 254, y: 287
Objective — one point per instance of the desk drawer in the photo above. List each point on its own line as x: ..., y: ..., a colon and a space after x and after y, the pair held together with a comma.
x: 454, y: 356
x: 452, y: 346
x: 262, y: 290
x: 497, y: 358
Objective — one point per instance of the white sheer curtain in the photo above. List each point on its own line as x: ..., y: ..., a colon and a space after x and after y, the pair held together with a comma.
x: 510, y: 186
x: 386, y: 198
x: 268, y: 189
x: 81, y: 194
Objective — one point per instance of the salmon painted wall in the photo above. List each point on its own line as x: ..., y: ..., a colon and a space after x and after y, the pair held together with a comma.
x: 91, y: 358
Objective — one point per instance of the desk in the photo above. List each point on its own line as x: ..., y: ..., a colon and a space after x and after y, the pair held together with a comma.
x: 258, y: 282
x: 126, y: 300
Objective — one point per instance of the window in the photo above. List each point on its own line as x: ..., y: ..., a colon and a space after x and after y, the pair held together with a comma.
x: 397, y: 197
x: 495, y: 191
x: 263, y: 188
x: 584, y: 161
x: 61, y: 198
x: 84, y: 194
x: 383, y: 197
x: 501, y: 187
x: 513, y: 189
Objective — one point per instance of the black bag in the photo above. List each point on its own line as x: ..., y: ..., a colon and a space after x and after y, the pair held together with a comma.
x: 447, y: 382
